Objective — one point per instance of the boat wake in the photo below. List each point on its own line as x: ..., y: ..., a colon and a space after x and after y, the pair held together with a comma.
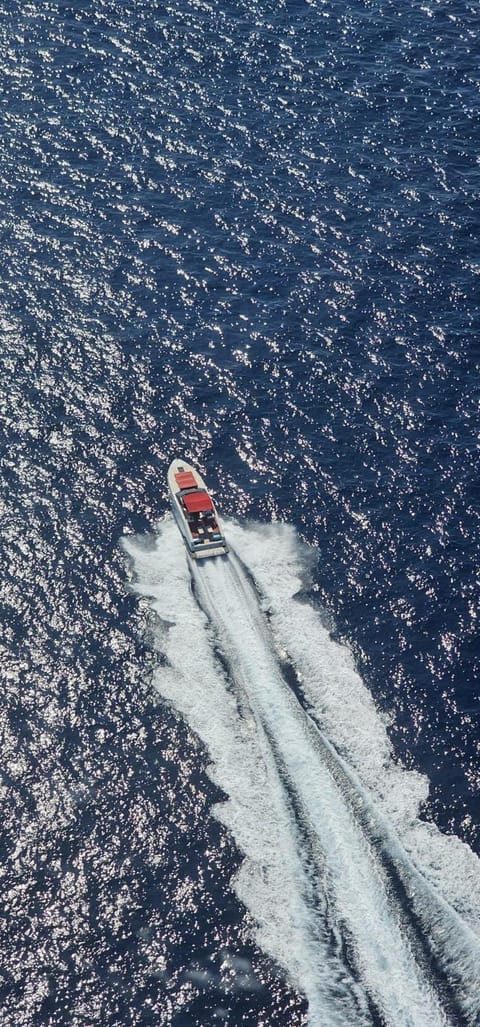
x: 370, y: 911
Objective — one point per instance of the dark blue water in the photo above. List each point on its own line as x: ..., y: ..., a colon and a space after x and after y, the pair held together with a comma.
x: 247, y: 235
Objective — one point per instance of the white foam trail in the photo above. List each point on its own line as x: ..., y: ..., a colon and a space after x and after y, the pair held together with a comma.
x: 312, y: 874
x: 271, y: 882
x: 345, y: 709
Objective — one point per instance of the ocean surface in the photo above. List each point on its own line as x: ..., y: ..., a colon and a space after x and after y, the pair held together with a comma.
x: 244, y: 792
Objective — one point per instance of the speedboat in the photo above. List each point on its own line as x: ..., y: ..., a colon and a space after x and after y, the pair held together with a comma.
x: 195, y: 512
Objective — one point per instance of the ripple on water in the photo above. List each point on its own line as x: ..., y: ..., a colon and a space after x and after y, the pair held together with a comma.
x: 248, y: 235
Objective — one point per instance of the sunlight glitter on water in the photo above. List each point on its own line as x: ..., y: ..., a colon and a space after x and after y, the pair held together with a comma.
x: 247, y: 235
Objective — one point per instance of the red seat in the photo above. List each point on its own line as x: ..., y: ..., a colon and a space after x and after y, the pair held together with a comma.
x: 186, y: 480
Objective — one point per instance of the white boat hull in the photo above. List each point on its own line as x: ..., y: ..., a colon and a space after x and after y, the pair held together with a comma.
x: 200, y: 528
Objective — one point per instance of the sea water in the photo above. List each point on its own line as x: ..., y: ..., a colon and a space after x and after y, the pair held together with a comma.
x: 241, y: 792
